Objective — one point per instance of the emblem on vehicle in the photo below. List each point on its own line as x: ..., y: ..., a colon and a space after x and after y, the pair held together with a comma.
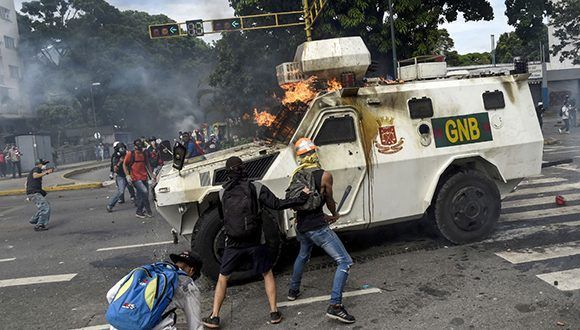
x: 388, y: 143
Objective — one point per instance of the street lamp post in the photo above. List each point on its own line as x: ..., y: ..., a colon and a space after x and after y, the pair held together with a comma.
x: 393, y: 44
x: 95, y: 84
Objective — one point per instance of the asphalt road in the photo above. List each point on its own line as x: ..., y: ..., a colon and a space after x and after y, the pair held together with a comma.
x: 505, y: 282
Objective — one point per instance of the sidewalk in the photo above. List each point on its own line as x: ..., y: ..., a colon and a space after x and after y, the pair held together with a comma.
x: 57, y: 181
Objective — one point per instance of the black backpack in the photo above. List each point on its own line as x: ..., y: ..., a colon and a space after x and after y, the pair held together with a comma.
x: 301, y: 179
x: 241, y: 210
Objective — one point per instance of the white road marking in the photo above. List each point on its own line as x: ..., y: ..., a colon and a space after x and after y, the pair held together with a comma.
x: 567, y: 280
x: 517, y: 233
x: 36, y: 280
x: 95, y: 327
x: 568, y: 167
x: 536, y: 190
x: 326, y: 298
x: 134, y: 246
x: 539, y: 214
x: 541, y: 253
x: 9, y: 259
x: 532, y: 181
x: 536, y: 201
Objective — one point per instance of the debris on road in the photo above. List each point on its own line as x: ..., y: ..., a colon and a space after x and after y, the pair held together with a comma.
x: 560, y: 200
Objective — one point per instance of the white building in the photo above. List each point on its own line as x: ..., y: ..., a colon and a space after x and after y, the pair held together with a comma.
x: 12, y: 102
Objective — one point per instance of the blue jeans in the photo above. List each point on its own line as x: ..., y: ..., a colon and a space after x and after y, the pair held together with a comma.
x: 142, y: 191
x: 326, y: 239
x: 121, y: 185
x: 43, y: 214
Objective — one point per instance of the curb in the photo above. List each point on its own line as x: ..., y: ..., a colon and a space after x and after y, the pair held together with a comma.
x: 72, y: 185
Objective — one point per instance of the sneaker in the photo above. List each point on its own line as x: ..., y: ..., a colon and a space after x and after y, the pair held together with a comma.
x: 338, y: 312
x: 275, y: 317
x: 40, y: 228
x: 33, y: 222
x: 121, y: 202
x: 140, y: 215
x: 293, y: 294
x: 109, y: 209
x: 567, y: 132
x: 212, y: 322
x: 149, y: 214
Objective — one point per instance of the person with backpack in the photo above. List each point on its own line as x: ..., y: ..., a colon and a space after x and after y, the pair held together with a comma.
x: 241, y: 207
x: 138, y: 172
x: 313, y: 228
x: 118, y: 173
x: 130, y: 306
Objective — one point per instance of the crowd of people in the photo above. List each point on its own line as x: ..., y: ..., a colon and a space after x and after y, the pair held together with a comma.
x: 10, y: 158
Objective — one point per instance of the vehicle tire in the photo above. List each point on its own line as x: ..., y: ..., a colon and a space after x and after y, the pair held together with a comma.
x: 467, y: 207
x: 209, y: 243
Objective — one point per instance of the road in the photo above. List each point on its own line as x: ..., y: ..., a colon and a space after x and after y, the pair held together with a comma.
x: 402, y: 277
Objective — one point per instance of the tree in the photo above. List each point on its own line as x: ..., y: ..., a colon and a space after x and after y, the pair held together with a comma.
x: 141, y: 82
x: 510, y: 45
x: 527, y: 16
x: 566, y: 21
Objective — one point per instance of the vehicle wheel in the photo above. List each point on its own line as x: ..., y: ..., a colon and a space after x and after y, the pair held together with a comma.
x: 467, y: 207
x: 209, y: 243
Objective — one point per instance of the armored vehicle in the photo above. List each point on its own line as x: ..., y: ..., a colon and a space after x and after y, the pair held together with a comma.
x: 448, y: 147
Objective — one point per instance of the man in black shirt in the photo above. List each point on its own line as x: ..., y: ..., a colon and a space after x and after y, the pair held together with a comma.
x: 37, y: 195
x: 241, y: 241
x: 312, y: 229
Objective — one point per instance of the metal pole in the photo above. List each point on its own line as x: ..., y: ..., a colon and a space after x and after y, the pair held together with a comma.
x: 93, y: 107
x: 545, y: 96
x: 493, y: 50
x: 393, y: 44
x: 307, y: 20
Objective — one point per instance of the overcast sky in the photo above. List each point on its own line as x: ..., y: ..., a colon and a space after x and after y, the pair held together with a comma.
x: 468, y: 37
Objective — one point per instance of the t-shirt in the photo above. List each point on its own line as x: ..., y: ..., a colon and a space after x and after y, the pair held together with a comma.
x: 138, y: 169
x: 34, y: 186
x: 313, y: 219
x: 1, y: 157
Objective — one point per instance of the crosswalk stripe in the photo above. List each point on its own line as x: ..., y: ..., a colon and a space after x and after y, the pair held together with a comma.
x: 541, y: 253
x: 36, y: 280
x: 326, y: 298
x: 568, y: 167
x: 539, y: 214
x: 518, y: 233
x: 9, y: 259
x: 133, y: 246
x: 95, y: 327
x: 541, y: 190
x: 533, y: 181
x: 536, y: 201
x: 568, y: 280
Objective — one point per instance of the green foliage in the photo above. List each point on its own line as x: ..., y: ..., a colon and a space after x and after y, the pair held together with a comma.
x: 141, y: 80
x: 455, y: 59
x: 527, y: 17
x: 510, y: 45
x: 566, y: 20
x: 58, y: 116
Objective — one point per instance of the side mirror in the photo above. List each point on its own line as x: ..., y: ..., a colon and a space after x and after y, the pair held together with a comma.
x: 179, y: 152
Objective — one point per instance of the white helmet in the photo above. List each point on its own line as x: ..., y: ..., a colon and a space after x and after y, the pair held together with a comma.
x: 115, y: 144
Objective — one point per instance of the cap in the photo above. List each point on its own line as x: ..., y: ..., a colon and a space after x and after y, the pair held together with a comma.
x: 41, y: 161
x: 233, y: 162
x: 191, y: 259
x: 303, y: 146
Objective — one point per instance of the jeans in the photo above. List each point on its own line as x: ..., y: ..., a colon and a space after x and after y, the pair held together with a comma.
x: 16, y: 167
x: 121, y: 185
x: 326, y: 239
x: 43, y: 214
x: 566, y: 125
x: 142, y: 190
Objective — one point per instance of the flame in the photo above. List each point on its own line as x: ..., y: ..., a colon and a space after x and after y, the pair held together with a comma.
x: 264, y: 118
x: 333, y: 85
x: 301, y: 91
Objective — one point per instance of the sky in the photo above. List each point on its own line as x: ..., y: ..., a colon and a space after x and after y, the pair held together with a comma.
x: 468, y: 36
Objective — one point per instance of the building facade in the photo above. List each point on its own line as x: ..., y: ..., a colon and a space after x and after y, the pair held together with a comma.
x: 13, y: 104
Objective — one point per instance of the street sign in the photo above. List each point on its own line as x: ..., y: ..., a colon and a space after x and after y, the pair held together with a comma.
x: 230, y: 24
x: 164, y: 31
x: 195, y: 28
x: 97, y: 135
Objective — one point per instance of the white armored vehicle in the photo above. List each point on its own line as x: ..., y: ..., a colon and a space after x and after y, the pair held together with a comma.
x: 447, y: 147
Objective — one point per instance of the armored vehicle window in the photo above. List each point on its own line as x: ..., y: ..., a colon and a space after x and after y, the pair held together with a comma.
x: 336, y: 130
x: 420, y: 108
x: 493, y: 100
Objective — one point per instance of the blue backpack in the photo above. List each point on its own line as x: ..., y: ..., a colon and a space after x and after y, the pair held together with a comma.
x: 142, y: 299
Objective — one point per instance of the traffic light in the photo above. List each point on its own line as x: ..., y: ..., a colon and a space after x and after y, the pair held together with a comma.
x: 164, y: 31
x: 194, y: 28
x: 230, y: 24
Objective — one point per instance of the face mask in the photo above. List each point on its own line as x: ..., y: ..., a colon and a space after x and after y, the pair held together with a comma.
x: 43, y: 167
x: 121, y: 150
